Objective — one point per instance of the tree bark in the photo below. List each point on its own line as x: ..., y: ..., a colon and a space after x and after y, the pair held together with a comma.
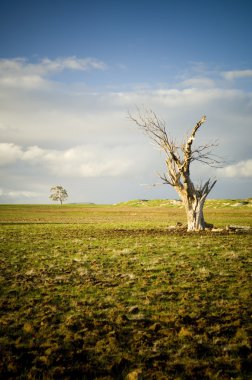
x: 194, y: 201
x: 195, y: 216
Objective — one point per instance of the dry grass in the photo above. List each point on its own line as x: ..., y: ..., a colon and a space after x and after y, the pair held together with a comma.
x: 105, y: 292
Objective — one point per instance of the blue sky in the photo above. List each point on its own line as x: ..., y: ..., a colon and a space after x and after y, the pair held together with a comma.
x: 70, y: 71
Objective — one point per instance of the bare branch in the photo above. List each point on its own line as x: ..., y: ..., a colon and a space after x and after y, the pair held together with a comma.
x: 203, y: 153
x: 155, y: 129
x: 204, y: 190
x: 187, y: 148
x: 165, y: 180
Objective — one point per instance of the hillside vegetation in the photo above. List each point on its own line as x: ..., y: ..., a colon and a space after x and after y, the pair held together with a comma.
x: 110, y: 292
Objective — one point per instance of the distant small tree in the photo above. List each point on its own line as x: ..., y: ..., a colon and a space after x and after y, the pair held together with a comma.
x: 58, y: 193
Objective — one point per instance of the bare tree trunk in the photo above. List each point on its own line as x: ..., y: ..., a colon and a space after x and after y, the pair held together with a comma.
x: 194, y: 201
x: 194, y: 213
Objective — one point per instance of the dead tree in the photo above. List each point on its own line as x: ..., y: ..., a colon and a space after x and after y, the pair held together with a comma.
x: 178, y: 160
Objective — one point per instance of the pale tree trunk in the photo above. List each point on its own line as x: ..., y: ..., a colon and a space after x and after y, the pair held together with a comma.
x: 194, y: 213
x: 194, y: 201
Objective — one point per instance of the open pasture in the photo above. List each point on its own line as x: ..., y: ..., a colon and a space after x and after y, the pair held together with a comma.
x: 109, y: 292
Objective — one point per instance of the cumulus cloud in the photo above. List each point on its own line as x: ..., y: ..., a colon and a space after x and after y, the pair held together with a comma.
x: 20, y: 72
x: 88, y: 161
x: 9, y: 153
x: 70, y: 63
x: 78, y: 113
x: 78, y: 161
x: 236, y: 74
x: 72, y: 131
x: 240, y: 169
x: 174, y: 97
x: 47, y: 66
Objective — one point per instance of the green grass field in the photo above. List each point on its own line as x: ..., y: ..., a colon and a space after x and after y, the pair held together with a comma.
x: 110, y: 292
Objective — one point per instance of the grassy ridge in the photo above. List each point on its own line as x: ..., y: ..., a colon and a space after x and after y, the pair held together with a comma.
x: 133, y: 213
x: 90, y: 292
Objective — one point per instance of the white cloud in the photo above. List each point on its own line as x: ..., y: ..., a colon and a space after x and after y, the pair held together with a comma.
x: 72, y: 131
x: 33, y: 154
x: 236, y: 74
x: 78, y: 161
x: 13, y: 194
x: 47, y: 66
x: 25, y: 81
x: 174, y: 97
x: 20, y: 194
x: 88, y: 161
x: 71, y: 63
x: 240, y: 169
x: 19, y: 72
x: 198, y: 82
x: 9, y: 153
